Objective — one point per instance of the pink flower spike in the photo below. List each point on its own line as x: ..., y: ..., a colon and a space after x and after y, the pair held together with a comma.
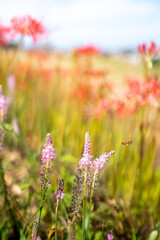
x: 86, y: 159
x: 59, y: 192
x: 48, y: 157
x: 48, y: 152
x: 59, y: 195
x: 98, y: 163
x: 87, y: 146
x: 3, y: 105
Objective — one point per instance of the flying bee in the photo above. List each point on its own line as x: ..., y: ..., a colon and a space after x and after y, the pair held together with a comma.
x: 127, y: 142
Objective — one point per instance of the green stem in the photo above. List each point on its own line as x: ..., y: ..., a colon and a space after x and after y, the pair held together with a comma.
x: 84, y: 208
x: 43, y: 196
x: 65, y: 210
x: 29, y: 227
x: 9, y: 209
x: 145, y: 70
x: 39, y: 218
x: 56, y: 223
x: 35, y: 213
x: 90, y: 205
x: 83, y: 220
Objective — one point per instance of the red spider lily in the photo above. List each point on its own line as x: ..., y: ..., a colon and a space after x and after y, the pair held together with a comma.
x: 144, y: 92
x: 27, y: 26
x: 139, y: 93
x: 46, y: 74
x: 38, y: 54
x: 96, y: 73
x: 5, y: 37
x: 137, y: 87
x: 152, y: 51
x: 87, y: 50
x: 83, y: 92
x: 112, y: 106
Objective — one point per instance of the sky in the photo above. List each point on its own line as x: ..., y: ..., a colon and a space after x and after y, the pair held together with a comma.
x: 109, y: 24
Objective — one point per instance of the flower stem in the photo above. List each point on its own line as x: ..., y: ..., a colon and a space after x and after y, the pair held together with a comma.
x: 35, y: 213
x: 43, y: 196
x: 39, y: 217
x: 65, y: 210
x: 90, y: 205
x: 56, y: 223
x: 145, y: 71
x: 84, y: 208
x: 10, y: 211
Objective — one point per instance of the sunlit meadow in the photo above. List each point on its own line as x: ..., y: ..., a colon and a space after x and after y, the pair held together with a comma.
x: 79, y: 140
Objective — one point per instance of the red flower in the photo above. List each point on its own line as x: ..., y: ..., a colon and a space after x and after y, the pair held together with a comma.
x: 96, y: 73
x: 87, y: 50
x: 144, y: 92
x: 27, y: 26
x: 152, y: 51
x: 4, y: 35
x: 151, y: 48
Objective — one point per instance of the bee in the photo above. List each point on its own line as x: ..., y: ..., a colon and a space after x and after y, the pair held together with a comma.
x: 127, y: 142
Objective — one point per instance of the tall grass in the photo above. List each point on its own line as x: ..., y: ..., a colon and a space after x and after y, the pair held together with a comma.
x: 56, y: 93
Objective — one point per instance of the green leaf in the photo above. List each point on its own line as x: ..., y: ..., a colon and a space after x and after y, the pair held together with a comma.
x: 22, y: 236
x: 7, y: 127
x: 68, y: 158
x: 98, y: 235
x: 153, y: 235
x: 23, y: 186
x: 134, y: 236
x: 44, y: 212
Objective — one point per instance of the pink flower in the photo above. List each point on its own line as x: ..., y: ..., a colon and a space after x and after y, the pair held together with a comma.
x: 48, y: 158
x: 15, y: 126
x: 98, y: 164
x: 86, y: 175
x: 11, y: 82
x: 3, y: 113
x: 110, y: 236
x: 48, y: 152
x: 3, y: 105
x: 59, y: 192
x: 85, y: 161
x: 92, y: 168
x: 59, y: 195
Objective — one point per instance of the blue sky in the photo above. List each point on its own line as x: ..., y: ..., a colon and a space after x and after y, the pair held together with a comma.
x: 109, y: 24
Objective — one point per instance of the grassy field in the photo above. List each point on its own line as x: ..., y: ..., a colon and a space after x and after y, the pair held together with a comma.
x: 68, y: 95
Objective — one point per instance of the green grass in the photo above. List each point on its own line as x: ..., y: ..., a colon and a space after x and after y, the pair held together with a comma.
x: 128, y: 197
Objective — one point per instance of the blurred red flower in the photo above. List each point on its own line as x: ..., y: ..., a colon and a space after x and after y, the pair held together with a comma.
x: 96, y: 73
x: 28, y: 26
x: 152, y: 51
x: 4, y: 35
x: 144, y: 92
x: 87, y: 50
x: 112, y: 106
x: 129, y: 102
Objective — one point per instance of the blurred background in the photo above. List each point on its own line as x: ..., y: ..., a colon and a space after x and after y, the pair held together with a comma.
x: 111, y: 25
